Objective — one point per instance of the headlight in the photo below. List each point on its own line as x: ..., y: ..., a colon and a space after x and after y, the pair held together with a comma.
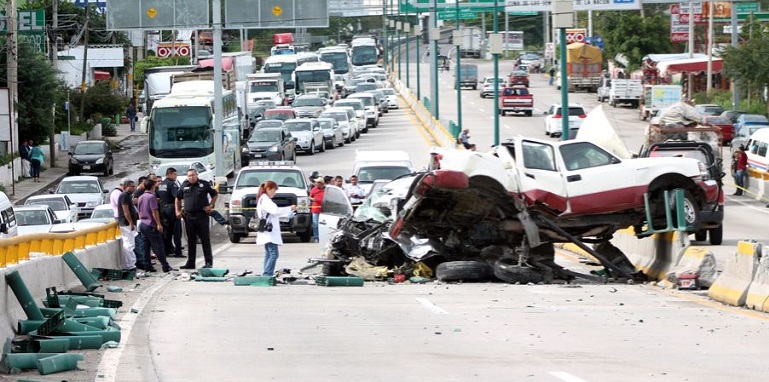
x: 73, y: 160
x: 100, y: 161
x: 273, y: 149
x: 91, y: 204
x: 303, y: 205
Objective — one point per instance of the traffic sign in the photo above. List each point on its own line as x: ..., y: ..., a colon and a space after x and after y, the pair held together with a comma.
x: 29, y: 21
x: 578, y: 5
x: 747, y: 7
x: 464, y: 14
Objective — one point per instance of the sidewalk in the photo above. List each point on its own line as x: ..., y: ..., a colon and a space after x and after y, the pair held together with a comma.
x: 25, y: 187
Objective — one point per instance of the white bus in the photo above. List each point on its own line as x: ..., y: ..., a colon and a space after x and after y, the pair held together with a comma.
x: 181, y: 126
x: 319, y: 74
x: 338, y: 57
x: 285, y: 65
x: 365, y: 53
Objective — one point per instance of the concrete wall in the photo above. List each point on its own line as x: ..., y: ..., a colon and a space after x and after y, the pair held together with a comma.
x: 51, y: 271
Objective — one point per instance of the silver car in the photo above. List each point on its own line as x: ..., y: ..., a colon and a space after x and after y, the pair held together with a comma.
x: 309, y: 135
x: 332, y: 132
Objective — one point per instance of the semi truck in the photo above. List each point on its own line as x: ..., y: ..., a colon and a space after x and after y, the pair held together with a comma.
x: 157, y: 82
x: 471, y: 42
x: 583, y: 68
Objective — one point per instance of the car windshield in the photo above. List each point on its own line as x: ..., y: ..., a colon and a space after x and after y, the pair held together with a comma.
x: 56, y: 204
x: 265, y: 136
x: 284, y: 178
x: 298, y: 126
x: 89, y: 149
x: 102, y: 213
x: 79, y: 187
x: 354, y: 105
x: 326, y: 125
x: 370, y: 174
x: 365, y: 86
x: 265, y: 104
x: 340, y: 117
x: 38, y: 217
x: 718, y: 120
x: 308, y: 101
x: 518, y: 74
x: 754, y: 118
x: 573, y: 111
x: 283, y: 116
x: 377, y: 205
x: 269, y: 123
x: 388, y: 91
x: 368, y: 101
x: 695, y: 154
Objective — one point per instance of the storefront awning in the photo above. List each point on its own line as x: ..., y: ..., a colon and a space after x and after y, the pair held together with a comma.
x: 689, y: 65
x: 99, y: 75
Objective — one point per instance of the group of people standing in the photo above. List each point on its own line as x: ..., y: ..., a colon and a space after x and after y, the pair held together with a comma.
x: 32, y: 157
x: 150, y: 216
x: 355, y: 193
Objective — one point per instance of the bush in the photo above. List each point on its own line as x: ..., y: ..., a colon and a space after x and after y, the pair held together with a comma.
x: 108, y: 129
x: 723, y: 98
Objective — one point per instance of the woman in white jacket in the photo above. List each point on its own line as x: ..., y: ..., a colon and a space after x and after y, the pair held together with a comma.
x: 271, y: 239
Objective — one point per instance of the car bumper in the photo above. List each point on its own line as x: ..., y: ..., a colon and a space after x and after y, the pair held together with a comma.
x: 87, y: 167
x: 299, y: 223
x: 515, y: 108
x: 712, y: 218
x: 393, y: 104
x: 264, y: 156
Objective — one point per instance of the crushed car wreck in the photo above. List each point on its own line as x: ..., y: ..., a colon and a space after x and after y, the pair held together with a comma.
x: 500, y: 212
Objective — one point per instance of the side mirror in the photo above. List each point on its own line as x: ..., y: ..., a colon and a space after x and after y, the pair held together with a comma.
x: 294, y: 139
x: 70, y: 153
x: 105, y: 191
x: 316, y: 128
x: 51, y: 191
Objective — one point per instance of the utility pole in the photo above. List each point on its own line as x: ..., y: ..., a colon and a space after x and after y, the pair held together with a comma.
x: 12, y: 78
x: 54, y: 60
x: 563, y: 17
x: 218, y: 105
x: 85, y: 64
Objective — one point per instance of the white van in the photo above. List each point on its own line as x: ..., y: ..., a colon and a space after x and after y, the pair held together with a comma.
x: 371, y: 165
x: 8, y: 226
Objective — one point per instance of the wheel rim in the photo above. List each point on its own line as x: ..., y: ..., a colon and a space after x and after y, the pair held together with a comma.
x: 690, y: 213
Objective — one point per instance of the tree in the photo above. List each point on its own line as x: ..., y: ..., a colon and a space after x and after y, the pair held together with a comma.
x: 632, y: 35
x: 151, y: 62
x: 747, y: 62
x: 38, y: 89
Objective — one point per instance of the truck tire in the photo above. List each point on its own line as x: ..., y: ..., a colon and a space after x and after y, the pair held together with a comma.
x: 305, y: 236
x: 508, y: 270
x: 234, y: 237
x: 716, y: 235
x: 475, y: 87
x: 701, y: 235
x: 462, y: 270
x: 691, y: 211
x: 528, y: 113
x: 636, y: 104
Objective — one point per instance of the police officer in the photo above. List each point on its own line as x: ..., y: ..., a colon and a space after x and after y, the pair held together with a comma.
x: 172, y: 234
x: 197, y: 207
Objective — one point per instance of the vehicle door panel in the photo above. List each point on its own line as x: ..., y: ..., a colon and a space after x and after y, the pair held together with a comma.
x: 335, y: 206
x: 540, y: 181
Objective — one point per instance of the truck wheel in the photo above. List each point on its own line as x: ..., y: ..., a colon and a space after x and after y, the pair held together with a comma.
x: 716, y: 235
x: 475, y: 87
x: 234, y: 237
x: 508, y: 270
x: 305, y: 237
x: 528, y: 113
x: 691, y: 211
x: 701, y: 235
x: 462, y: 270
x: 636, y: 104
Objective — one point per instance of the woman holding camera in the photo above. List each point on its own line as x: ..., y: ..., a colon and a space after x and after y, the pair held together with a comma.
x: 270, y: 236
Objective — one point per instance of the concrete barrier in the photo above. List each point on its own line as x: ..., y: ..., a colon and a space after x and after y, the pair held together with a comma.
x: 47, y: 271
x: 758, y: 292
x: 435, y: 128
x: 731, y: 287
x: 655, y: 255
x: 696, y: 260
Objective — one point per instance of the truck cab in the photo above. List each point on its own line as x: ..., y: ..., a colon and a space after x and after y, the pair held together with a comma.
x: 265, y: 86
x: 516, y: 99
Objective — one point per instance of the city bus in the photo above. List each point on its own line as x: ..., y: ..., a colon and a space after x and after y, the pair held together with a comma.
x: 181, y: 127
x: 285, y: 65
x: 337, y: 57
x: 365, y: 53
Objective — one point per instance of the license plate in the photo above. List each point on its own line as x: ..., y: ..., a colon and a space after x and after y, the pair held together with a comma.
x: 257, y: 155
x: 86, y: 167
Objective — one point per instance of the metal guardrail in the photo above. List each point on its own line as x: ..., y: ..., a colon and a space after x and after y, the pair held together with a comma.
x: 15, y: 249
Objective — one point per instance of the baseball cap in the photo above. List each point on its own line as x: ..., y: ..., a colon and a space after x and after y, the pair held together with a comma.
x: 318, y: 178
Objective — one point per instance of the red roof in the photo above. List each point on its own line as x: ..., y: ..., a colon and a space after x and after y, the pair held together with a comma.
x: 694, y: 65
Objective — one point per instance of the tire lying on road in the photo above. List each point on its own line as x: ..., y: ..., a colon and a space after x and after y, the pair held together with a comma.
x: 462, y: 270
x: 508, y: 270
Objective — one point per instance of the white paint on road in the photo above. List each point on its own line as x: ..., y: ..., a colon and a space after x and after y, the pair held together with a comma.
x: 482, y: 111
x: 430, y: 306
x: 507, y: 127
x: 564, y: 376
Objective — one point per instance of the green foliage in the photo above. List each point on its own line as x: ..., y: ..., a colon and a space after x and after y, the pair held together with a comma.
x: 723, y: 98
x: 632, y: 35
x: 80, y: 127
x: 99, y: 101
x: 152, y: 61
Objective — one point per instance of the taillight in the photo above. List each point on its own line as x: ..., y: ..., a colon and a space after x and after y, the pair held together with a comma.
x: 721, y: 198
x: 582, y: 116
x: 557, y: 116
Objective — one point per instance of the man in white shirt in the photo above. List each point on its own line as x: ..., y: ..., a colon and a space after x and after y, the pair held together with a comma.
x: 355, y: 192
x: 115, y: 195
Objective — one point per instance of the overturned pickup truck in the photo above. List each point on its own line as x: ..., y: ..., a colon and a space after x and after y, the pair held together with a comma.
x: 500, y: 212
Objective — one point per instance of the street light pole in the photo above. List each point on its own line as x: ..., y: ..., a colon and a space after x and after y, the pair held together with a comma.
x: 407, y: 29
x: 435, y: 36
x: 495, y: 46
x: 384, y: 35
x: 563, y: 17
x: 419, y: 58
x: 398, y: 27
x: 458, y: 51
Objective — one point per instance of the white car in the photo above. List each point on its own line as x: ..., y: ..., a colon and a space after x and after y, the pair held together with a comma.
x: 86, y: 191
x: 101, y: 214
x: 308, y: 134
x: 553, y: 121
x: 35, y: 219
x: 65, y: 209
x: 181, y: 168
x: 392, y: 98
x: 372, y: 107
x: 487, y: 86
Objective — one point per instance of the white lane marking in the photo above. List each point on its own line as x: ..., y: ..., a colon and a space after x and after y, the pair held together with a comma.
x: 507, y: 127
x: 110, y: 359
x: 564, y: 376
x: 482, y: 111
x: 430, y: 306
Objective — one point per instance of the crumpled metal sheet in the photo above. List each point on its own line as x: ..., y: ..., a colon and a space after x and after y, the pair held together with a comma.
x: 361, y: 268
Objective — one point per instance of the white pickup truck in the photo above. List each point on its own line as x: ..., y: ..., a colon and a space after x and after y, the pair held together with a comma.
x: 620, y: 91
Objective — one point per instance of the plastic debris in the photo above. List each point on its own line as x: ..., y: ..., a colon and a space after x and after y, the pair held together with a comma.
x: 109, y: 345
x: 114, y: 288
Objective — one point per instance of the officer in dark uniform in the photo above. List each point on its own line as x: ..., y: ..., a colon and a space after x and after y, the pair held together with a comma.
x: 172, y: 233
x: 195, y: 192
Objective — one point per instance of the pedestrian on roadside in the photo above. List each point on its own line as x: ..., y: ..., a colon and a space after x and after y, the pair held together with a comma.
x: 131, y: 113
x: 552, y: 75
x: 36, y: 157
x: 339, y: 181
x: 316, y: 201
x: 267, y: 209
x: 195, y: 211
x: 152, y: 227
x: 172, y: 226
x: 740, y: 166
x: 114, y: 198
x: 26, y: 165
x: 328, y: 179
x: 464, y: 140
x: 139, y: 245
x: 127, y: 218
x: 355, y: 191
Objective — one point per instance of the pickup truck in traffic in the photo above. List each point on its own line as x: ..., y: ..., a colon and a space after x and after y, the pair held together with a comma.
x: 516, y: 99
x: 621, y: 91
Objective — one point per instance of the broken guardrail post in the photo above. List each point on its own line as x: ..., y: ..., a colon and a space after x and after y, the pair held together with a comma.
x: 58, y: 363
x: 89, y: 282
x: 22, y: 294
x: 330, y: 281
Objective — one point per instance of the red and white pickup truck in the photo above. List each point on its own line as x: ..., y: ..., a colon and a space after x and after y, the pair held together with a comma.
x: 516, y: 99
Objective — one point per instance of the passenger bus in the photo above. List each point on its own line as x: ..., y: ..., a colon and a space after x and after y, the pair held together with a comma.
x: 181, y: 127
x: 285, y: 65
x: 338, y: 58
x: 365, y: 53
x: 320, y: 75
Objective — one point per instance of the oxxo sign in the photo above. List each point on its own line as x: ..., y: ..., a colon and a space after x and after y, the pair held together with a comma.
x: 173, y: 50
x: 575, y: 35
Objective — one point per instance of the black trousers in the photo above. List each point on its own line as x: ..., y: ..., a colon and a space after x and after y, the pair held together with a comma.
x: 197, y: 227
x: 153, y: 240
x: 172, y: 235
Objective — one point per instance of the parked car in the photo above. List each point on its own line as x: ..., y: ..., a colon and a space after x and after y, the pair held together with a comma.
x: 65, y: 209
x: 86, y: 191
x: 553, y: 121
x: 732, y: 115
x: 35, y: 219
x: 709, y: 109
x: 272, y: 143
x: 332, y: 132
x: 91, y: 156
x: 518, y: 78
x: 101, y: 214
x: 309, y: 136
x: 487, y: 86
x: 742, y: 137
x: 726, y: 126
x: 750, y: 119
x: 181, y: 167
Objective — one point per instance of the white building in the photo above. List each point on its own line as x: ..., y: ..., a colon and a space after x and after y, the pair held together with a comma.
x: 101, y: 61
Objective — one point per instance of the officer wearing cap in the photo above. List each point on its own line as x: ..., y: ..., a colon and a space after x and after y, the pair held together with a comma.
x: 195, y: 193
x: 172, y: 234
